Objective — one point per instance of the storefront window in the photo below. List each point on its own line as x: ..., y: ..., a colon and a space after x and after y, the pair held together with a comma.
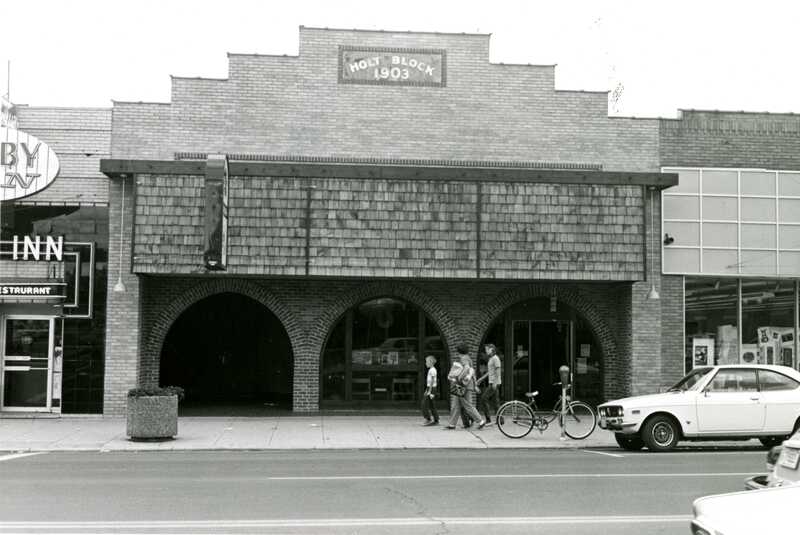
x: 768, y: 322
x: 83, y: 338
x: 767, y: 314
x: 376, y: 353
x: 711, y: 327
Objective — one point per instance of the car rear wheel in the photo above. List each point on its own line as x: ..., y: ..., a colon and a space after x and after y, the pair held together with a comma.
x: 660, y: 433
x: 629, y: 442
x: 770, y: 442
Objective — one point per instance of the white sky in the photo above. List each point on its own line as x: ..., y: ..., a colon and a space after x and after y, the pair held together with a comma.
x: 700, y: 54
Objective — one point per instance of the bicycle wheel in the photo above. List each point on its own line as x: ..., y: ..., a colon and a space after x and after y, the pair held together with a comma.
x: 579, y: 420
x: 514, y: 419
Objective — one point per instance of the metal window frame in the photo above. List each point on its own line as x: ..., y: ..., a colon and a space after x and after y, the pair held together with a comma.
x: 700, y: 221
x: 50, y: 341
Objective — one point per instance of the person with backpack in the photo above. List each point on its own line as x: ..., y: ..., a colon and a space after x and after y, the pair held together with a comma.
x: 462, y: 386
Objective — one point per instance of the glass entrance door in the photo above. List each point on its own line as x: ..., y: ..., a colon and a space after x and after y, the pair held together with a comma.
x: 27, y: 343
x: 540, y: 348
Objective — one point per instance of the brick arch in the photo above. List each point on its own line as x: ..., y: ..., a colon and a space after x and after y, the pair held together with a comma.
x: 336, y: 307
x: 149, y: 367
x: 566, y: 294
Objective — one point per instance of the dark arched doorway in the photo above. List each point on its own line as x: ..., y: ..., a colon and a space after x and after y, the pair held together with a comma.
x: 536, y: 337
x: 231, y: 355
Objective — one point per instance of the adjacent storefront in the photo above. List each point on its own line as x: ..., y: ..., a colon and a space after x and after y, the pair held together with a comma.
x: 733, y: 235
x: 53, y: 247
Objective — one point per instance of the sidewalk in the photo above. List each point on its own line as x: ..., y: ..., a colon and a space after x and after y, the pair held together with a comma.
x: 273, y: 433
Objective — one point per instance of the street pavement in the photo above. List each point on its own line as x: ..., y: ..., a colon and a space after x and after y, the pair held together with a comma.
x: 318, y: 432
x: 420, y: 491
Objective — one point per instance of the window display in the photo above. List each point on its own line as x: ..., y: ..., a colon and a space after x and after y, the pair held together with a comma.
x: 767, y: 316
x: 386, y: 340
x: 712, y: 336
x: 768, y: 320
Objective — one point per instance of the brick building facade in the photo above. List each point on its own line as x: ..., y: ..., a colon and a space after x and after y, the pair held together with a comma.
x: 489, y: 201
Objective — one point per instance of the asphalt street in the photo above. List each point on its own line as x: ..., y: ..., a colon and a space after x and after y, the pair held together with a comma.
x: 365, y: 491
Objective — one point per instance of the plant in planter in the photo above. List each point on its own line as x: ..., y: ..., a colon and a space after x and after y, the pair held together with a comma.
x: 153, y: 412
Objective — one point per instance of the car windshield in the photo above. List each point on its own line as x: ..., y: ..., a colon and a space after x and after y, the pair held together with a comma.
x: 691, y: 380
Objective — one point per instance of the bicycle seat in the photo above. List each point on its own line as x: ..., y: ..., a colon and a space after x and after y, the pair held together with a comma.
x: 532, y: 394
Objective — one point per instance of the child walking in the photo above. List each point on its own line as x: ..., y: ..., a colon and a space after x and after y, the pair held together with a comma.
x: 431, y: 388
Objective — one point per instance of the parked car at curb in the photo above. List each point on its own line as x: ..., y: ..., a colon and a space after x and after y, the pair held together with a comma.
x: 745, y: 513
x: 730, y: 402
x: 782, y: 466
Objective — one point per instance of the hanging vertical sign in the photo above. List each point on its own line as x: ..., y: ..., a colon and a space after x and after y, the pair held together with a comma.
x: 215, y: 250
x: 27, y: 165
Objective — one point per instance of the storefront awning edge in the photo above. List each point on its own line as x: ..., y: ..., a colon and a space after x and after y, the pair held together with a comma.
x: 114, y: 168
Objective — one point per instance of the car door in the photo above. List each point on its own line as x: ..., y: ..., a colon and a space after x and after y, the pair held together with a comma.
x: 731, y: 403
x: 780, y: 395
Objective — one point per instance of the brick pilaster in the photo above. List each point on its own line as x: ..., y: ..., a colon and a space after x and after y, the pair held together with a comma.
x: 122, y: 308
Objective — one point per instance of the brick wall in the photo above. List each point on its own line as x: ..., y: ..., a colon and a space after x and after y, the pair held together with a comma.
x: 672, y: 326
x: 80, y: 137
x: 122, y: 308
x: 731, y: 139
x: 296, y: 106
x: 309, y: 309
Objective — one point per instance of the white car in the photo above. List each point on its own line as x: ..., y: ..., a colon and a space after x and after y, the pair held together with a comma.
x: 710, y: 403
x: 769, y: 511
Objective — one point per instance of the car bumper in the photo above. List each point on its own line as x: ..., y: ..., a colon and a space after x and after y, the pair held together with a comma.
x: 617, y: 424
x: 758, y: 482
x: 699, y: 528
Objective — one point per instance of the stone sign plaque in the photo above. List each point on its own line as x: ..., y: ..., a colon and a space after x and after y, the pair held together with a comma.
x: 392, y: 66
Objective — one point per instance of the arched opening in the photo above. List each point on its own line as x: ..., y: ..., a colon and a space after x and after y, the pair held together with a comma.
x: 534, y: 339
x: 375, y: 356
x: 231, y: 355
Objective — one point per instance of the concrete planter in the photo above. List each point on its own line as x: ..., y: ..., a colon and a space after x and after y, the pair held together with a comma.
x: 152, y: 417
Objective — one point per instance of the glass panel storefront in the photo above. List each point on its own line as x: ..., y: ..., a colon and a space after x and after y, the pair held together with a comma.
x: 376, y: 354
x: 748, y: 221
x: 534, y: 338
x: 767, y: 311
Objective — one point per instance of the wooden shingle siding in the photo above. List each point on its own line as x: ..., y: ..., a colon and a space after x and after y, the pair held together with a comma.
x: 562, y: 231
x: 169, y: 229
x: 397, y: 228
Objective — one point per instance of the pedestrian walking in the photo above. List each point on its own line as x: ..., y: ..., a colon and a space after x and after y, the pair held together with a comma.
x: 471, y: 393
x: 490, y: 394
x: 462, y: 380
x: 430, y: 394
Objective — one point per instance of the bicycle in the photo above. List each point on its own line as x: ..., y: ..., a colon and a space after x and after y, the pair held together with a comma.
x: 515, y: 419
